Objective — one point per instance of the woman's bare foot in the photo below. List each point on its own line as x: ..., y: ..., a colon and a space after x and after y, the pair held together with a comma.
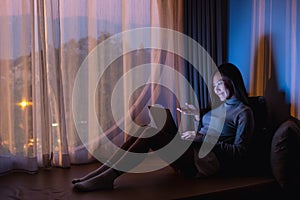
x: 76, y: 180
x: 103, y: 181
x: 94, y: 173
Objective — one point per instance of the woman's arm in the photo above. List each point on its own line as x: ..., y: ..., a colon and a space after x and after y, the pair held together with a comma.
x: 242, y: 139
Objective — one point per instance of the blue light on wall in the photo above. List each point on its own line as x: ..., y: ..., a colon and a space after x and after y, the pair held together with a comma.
x: 264, y: 37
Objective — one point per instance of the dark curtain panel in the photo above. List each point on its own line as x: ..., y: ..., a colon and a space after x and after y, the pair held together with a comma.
x: 206, y: 21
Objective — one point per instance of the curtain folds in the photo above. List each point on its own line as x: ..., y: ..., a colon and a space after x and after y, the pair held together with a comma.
x: 207, y: 23
x: 46, y: 44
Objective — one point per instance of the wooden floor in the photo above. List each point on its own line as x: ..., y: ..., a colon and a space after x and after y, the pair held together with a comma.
x: 55, y: 183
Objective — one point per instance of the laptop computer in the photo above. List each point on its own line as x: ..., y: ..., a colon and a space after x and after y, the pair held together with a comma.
x: 163, y: 119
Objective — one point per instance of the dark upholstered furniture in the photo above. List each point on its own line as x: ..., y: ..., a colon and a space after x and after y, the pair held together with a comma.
x: 275, y: 153
x: 285, y: 155
x: 260, y: 146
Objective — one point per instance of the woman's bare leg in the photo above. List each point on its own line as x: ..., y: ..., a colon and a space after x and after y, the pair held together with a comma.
x: 127, y: 146
x: 106, y: 179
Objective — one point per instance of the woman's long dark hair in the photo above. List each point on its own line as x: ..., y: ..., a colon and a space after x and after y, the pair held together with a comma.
x: 233, y: 74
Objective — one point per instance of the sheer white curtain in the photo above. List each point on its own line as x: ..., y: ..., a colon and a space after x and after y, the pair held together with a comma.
x: 43, y: 45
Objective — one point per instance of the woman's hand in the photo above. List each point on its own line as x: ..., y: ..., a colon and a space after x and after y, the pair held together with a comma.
x: 190, y: 109
x: 192, y: 136
x: 188, y: 135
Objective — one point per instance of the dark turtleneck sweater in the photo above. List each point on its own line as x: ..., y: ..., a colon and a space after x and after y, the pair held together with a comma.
x: 236, y: 132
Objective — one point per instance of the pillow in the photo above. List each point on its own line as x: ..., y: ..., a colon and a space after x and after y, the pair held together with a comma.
x: 285, y: 154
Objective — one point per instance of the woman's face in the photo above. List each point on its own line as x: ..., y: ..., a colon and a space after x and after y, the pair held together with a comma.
x: 220, y: 87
